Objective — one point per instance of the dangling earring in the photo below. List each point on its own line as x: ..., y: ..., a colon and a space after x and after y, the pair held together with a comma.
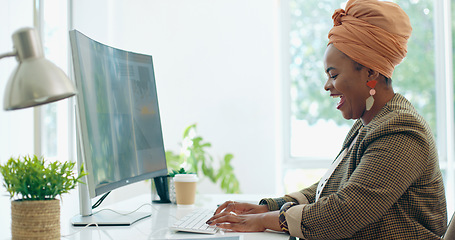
x: 370, y: 99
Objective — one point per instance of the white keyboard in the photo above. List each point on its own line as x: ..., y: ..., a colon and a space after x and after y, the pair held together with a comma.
x: 195, y: 222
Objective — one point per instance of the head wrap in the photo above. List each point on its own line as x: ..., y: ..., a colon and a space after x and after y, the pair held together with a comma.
x: 373, y: 33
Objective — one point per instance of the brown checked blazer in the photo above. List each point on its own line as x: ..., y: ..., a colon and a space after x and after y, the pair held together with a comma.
x: 388, y: 186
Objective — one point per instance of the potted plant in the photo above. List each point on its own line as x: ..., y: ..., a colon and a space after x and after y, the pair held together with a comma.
x: 180, y: 171
x: 194, y: 156
x: 34, y: 185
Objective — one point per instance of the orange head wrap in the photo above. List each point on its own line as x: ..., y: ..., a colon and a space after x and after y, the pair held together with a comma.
x: 373, y: 33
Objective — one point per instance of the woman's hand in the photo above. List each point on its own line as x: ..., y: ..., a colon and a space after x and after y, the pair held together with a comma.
x: 244, y: 217
x: 241, y: 208
x: 256, y: 222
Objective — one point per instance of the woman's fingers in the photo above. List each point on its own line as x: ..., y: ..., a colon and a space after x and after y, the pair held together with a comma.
x: 228, y: 217
x: 216, y: 218
x: 230, y: 207
x: 238, y: 223
x: 222, y: 207
x: 226, y: 221
x: 240, y: 208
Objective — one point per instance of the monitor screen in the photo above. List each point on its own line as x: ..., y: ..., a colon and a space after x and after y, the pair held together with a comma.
x: 119, y: 126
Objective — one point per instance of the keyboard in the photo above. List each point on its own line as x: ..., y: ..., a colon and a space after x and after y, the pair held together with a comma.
x: 195, y: 222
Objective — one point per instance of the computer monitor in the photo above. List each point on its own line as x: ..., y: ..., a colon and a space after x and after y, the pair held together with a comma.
x: 118, y: 123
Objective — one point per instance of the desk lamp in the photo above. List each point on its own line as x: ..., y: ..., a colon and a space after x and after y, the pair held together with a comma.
x: 36, y: 80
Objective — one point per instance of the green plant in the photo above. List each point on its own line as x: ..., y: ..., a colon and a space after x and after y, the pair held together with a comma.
x: 180, y: 171
x: 35, y: 179
x: 195, y: 157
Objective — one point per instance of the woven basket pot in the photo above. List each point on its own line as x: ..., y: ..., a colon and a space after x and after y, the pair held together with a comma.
x: 37, y: 219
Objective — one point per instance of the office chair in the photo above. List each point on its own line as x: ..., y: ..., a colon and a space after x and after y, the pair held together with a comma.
x: 450, y: 233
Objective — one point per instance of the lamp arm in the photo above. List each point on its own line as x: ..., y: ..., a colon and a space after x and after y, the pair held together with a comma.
x: 10, y: 54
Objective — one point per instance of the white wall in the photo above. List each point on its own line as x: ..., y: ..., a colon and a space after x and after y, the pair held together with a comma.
x: 16, y: 127
x: 215, y: 65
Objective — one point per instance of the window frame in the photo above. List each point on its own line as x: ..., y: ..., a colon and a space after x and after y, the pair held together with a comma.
x: 65, y: 117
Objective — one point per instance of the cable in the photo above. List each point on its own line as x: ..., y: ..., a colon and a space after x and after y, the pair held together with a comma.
x: 98, y: 203
x: 80, y: 230
x: 108, y: 209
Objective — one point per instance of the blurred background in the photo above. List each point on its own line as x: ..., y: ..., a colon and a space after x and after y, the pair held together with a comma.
x: 248, y: 73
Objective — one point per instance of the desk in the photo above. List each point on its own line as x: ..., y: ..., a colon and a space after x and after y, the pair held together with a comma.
x: 154, y: 227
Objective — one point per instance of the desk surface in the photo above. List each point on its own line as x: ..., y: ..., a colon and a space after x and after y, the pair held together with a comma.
x: 154, y: 227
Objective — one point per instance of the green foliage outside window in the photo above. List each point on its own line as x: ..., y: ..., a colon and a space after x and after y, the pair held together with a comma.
x: 310, y: 23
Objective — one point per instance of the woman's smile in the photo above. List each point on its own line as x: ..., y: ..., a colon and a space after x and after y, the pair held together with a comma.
x: 342, y: 99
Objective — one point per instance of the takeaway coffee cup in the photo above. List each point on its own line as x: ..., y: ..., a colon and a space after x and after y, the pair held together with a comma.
x: 185, y: 188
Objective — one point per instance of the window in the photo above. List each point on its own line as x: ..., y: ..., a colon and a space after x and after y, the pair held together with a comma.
x: 55, y: 126
x: 315, y: 129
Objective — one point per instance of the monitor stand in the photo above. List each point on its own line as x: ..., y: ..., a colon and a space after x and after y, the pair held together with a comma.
x: 104, y: 217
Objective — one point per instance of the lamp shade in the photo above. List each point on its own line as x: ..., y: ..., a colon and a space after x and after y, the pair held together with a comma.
x: 35, y: 81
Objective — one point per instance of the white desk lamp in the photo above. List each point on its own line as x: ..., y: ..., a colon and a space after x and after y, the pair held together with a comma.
x: 36, y: 80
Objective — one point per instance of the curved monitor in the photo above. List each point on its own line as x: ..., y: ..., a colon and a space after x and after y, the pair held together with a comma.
x: 119, y: 127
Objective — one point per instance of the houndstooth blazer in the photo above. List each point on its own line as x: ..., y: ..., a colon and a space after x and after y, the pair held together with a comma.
x: 388, y: 186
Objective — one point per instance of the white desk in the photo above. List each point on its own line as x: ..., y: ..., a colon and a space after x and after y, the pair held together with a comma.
x: 154, y: 227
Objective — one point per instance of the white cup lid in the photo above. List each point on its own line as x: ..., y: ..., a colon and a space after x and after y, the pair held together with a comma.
x: 185, y: 178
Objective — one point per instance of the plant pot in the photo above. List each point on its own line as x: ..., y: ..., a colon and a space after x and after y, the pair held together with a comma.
x: 35, y: 219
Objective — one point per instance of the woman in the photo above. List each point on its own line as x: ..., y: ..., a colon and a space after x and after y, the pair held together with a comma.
x: 385, y: 183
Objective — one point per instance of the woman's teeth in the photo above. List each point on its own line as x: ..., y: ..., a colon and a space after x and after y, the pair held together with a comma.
x: 342, y: 99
